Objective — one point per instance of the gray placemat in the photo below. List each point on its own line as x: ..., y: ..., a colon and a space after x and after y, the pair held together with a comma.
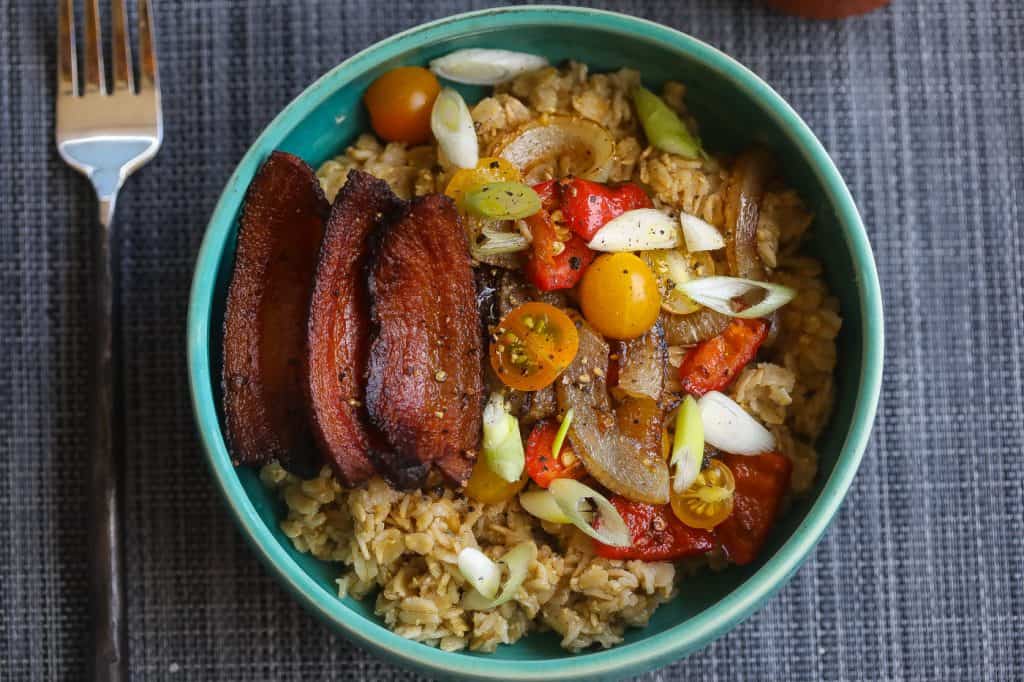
x: 920, y: 576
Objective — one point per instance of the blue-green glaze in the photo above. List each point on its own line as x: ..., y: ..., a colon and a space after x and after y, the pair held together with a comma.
x: 734, y: 108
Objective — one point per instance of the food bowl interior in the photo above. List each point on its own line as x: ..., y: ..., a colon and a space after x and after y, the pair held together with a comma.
x: 731, y: 117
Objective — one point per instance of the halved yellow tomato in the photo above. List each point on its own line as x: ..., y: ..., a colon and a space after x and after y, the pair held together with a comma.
x: 707, y: 502
x: 533, y: 345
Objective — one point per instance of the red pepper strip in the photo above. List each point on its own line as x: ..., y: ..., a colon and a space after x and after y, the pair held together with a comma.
x: 549, y: 193
x: 540, y: 465
x: 657, y: 534
x: 713, y: 364
x: 544, y: 269
x: 588, y: 206
x: 761, y: 481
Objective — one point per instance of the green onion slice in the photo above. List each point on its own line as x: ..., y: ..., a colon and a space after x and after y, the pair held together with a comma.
x: 542, y: 504
x: 479, y: 571
x: 580, y: 502
x: 719, y: 292
x: 517, y: 560
x: 452, y: 125
x: 563, y: 430
x: 664, y: 129
x: 687, y: 445
x: 502, y: 201
x: 502, y: 444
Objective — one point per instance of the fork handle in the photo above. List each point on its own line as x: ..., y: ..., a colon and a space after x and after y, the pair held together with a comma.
x: 106, y: 591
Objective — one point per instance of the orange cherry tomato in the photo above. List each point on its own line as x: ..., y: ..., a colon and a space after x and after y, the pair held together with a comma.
x: 400, y: 102
x: 541, y: 464
x: 709, y: 501
x: 619, y: 296
x: 533, y: 345
x: 488, y: 169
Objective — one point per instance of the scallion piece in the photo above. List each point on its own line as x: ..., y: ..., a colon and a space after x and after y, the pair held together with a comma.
x: 664, y: 129
x: 563, y: 431
x: 452, y: 125
x: 479, y: 571
x: 502, y: 444
x: 502, y: 201
x: 687, y: 445
x: 517, y: 560
x: 542, y: 504
x: 580, y: 502
x: 718, y: 294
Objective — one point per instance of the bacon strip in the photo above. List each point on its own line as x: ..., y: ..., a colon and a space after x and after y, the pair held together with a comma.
x: 264, y: 327
x: 424, y: 384
x: 337, y: 336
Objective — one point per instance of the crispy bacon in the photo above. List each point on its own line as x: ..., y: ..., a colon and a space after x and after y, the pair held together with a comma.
x: 337, y: 335
x: 264, y: 339
x: 424, y: 384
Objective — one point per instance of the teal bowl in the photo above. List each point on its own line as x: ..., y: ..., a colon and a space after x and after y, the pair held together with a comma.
x: 735, y: 108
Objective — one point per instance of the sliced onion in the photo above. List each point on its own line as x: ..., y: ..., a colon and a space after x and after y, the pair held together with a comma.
x: 480, y: 572
x: 538, y: 146
x: 730, y: 429
x: 453, y: 127
x: 700, y: 235
x: 687, y: 445
x: 477, y: 66
x: 642, y: 229
x: 496, y: 243
x: 542, y: 504
x: 718, y: 294
x: 575, y: 500
x: 517, y: 560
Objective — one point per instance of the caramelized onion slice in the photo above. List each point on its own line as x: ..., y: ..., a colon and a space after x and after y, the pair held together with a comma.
x: 569, y: 145
x: 743, y: 198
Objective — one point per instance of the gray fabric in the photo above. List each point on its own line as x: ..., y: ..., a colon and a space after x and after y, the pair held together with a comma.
x: 920, y: 576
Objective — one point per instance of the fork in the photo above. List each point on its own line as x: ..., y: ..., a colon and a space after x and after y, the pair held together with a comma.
x: 106, y: 134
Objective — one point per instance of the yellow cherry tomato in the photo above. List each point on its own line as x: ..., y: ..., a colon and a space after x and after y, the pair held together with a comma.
x: 400, y: 102
x: 532, y: 345
x: 707, y: 502
x: 619, y: 296
x: 488, y: 169
x: 486, y: 486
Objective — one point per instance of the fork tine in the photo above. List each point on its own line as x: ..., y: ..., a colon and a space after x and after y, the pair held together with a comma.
x: 148, y: 75
x: 94, y: 79
x: 121, y: 50
x: 67, y: 63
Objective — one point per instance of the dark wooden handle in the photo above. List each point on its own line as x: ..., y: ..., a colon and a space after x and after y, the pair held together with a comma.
x: 106, y: 591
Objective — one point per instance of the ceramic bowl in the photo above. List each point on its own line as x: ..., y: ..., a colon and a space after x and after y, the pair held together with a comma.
x: 735, y: 108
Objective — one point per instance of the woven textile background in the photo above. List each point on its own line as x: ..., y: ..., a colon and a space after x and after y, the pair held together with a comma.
x: 920, y: 576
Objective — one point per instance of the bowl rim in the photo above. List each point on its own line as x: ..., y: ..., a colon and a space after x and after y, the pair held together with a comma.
x: 676, y: 641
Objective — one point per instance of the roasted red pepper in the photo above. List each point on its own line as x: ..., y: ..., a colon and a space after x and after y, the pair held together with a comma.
x: 587, y: 205
x: 541, y: 466
x: 761, y: 482
x: 657, y: 534
x: 546, y: 270
x: 713, y: 364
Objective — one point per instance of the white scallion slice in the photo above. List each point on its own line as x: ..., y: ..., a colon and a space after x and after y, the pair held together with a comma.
x: 480, y: 572
x: 579, y: 502
x: 719, y: 292
x: 453, y: 127
x: 730, y: 429
x: 542, y: 504
x: 641, y: 229
x: 502, y: 444
x: 496, y: 243
x: 563, y: 430
x: 477, y: 66
x: 700, y: 235
x: 517, y: 561
x: 687, y: 445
